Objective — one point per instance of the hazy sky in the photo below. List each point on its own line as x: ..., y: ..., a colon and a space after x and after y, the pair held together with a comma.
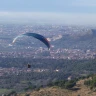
x: 50, y: 11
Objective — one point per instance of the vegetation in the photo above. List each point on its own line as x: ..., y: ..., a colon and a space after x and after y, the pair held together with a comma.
x: 79, y: 89
x: 24, y: 81
x: 76, y: 87
x: 63, y: 84
x: 91, y: 82
x: 64, y: 65
x: 6, y: 91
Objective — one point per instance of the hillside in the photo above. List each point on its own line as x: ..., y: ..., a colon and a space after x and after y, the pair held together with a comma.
x: 85, y: 41
x: 79, y: 90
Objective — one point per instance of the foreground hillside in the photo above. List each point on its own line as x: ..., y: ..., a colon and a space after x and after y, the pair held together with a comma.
x: 78, y: 90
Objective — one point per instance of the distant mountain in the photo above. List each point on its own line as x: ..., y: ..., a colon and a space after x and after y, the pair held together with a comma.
x: 85, y: 41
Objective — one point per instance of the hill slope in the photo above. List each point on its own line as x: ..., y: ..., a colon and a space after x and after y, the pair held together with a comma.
x: 86, y: 41
x: 79, y: 90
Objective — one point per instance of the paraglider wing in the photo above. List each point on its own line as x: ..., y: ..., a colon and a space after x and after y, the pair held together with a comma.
x: 37, y: 36
x: 16, y: 38
x: 40, y: 37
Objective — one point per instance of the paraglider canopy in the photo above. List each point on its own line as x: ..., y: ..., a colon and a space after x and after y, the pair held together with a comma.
x: 35, y: 35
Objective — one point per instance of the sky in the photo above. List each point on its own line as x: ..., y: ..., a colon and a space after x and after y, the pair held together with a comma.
x: 49, y: 11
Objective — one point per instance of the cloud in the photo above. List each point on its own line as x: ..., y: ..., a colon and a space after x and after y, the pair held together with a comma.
x: 48, y: 17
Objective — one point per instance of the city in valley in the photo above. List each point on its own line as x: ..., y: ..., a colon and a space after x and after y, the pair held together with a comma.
x: 72, y: 54
x: 67, y: 42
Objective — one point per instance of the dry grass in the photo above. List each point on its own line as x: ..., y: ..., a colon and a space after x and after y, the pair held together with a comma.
x: 79, y: 90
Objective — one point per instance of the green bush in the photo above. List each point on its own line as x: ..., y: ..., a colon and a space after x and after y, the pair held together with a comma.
x: 70, y: 84
x: 63, y: 84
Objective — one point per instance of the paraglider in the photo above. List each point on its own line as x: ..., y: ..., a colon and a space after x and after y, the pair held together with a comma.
x: 35, y: 35
x: 29, y: 66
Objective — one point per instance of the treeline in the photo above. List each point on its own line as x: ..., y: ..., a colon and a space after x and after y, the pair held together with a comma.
x: 70, y: 66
